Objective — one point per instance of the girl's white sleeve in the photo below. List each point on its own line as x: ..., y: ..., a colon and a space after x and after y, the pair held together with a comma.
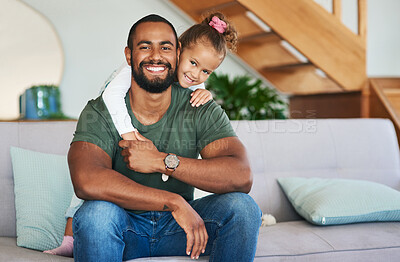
x: 73, y: 206
x: 114, y: 99
x: 201, y: 86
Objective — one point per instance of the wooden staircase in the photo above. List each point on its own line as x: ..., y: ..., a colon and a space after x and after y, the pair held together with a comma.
x: 333, y: 59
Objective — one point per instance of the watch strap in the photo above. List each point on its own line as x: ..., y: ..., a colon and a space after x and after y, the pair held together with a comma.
x: 169, y: 171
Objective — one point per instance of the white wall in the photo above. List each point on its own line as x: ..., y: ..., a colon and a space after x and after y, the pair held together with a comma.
x: 25, y: 34
x: 94, y: 32
x: 383, y: 50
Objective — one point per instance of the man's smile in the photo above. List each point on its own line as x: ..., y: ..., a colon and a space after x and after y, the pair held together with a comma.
x: 155, y: 68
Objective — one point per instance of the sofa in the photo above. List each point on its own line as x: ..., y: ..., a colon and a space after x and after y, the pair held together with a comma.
x: 360, y: 149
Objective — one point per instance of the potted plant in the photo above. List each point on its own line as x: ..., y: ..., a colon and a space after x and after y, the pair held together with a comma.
x: 246, y: 98
x: 41, y: 102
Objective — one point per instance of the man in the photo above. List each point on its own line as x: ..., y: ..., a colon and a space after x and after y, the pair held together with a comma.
x: 130, y: 211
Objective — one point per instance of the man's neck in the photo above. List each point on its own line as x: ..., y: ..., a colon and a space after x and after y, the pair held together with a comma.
x: 148, y: 108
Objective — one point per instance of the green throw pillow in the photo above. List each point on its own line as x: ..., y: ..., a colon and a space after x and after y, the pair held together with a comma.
x: 43, y: 192
x: 341, y: 201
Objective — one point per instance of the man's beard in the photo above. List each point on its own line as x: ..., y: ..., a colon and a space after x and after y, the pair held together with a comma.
x: 157, y: 85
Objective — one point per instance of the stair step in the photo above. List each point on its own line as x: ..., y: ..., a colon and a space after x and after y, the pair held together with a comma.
x: 389, y: 83
x: 244, y: 24
x: 232, y: 9
x: 263, y: 36
x: 302, y: 79
x: 265, y: 50
x: 286, y: 66
x: 392, y: 91
x: 389, y: 86
x: 195, y: 8
x: 229, y: 9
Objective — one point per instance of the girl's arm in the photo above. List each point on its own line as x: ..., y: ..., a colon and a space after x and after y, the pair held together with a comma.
x: 114, y: 99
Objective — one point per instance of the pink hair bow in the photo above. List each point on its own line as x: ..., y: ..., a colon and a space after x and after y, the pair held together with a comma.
x: 218, y: 24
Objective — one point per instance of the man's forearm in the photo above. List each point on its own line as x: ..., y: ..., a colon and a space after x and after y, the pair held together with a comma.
x: 94, y: 181
x: 116, y: 188
x: 217, y: 175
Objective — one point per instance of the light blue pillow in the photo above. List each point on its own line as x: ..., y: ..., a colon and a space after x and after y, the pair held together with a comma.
x: 341, y: 201
x: 43, y: 192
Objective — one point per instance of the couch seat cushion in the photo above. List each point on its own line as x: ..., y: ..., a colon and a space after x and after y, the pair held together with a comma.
x: 10, y: 252
x: 354, y: 242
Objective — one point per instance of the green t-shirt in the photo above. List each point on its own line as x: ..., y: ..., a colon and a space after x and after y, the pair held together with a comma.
x: 183, y: 130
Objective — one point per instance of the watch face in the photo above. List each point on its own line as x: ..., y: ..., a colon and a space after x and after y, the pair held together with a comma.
x: 171, y: 161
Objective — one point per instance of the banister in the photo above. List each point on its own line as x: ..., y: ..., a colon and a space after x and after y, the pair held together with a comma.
x: 337, y: 8
x: 362, y: 20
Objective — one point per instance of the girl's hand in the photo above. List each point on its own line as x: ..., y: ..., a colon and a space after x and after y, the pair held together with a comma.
x: 129, y: 136
x: 200, y: 97
x: 134, y: 135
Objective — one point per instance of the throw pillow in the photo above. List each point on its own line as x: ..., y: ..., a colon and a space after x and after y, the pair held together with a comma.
x: 43, y: 191
x: 341, y: 201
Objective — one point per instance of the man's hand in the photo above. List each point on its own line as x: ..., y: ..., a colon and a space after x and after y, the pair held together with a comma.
x: 200, y: 97
x: 193, y: 225
x: 141, y: 155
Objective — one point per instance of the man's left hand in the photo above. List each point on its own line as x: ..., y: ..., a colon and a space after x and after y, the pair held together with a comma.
x: 141, y: 155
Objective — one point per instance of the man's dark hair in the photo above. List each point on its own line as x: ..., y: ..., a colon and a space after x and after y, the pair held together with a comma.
x: 149, y: 18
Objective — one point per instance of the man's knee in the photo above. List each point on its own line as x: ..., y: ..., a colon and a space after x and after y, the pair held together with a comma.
x: 97, y: 216
x: 244, y: 209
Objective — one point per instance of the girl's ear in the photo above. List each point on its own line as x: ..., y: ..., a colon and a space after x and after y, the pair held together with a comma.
x: 128, y: 54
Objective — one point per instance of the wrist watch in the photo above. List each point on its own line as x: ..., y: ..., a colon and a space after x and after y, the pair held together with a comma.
x: 171, y: 162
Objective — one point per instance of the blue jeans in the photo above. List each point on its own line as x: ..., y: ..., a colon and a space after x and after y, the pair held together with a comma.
x: 104, y: 231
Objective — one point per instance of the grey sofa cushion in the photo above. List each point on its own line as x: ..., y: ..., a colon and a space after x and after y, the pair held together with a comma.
x: 10, y: 252
x: 288, y: 241
x: 8, y: 136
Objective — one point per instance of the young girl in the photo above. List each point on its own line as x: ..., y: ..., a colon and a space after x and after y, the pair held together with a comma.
x: 203, y: 48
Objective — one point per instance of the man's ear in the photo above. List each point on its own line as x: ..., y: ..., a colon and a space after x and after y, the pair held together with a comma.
x: 178, y: 51
x: 128, y: 55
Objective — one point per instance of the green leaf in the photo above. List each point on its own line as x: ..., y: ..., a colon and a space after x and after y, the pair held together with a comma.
x: 245, y: 97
